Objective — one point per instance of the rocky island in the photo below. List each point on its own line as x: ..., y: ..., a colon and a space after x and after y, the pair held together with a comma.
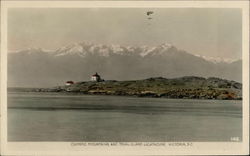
x: 188, y: 87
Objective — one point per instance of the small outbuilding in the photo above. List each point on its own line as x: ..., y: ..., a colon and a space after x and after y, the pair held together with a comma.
x: 68, y: 83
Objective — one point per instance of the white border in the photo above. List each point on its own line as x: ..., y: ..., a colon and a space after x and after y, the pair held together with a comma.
x: 64, y: 148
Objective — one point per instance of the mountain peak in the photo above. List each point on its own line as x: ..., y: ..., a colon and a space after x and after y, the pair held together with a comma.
x: 71, y: 49
x: 166, y: 45
x: 217, y: 60
x: 32, y: 50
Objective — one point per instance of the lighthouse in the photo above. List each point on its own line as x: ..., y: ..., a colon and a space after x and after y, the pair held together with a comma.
x: 96, y: 77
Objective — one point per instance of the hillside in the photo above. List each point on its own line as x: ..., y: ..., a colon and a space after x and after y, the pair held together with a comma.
x: 183, y: 87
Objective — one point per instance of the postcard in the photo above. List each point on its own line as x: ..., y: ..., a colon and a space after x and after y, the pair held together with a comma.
x: 124, y: 77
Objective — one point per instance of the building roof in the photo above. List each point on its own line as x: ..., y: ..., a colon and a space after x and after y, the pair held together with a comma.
x: 96, y: 75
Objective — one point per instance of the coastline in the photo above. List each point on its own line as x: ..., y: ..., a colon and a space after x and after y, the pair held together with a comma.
x: 178, y: 88
x: 128, y: 96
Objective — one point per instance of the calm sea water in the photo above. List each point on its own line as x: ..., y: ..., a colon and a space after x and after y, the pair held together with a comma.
x: 57, y: 117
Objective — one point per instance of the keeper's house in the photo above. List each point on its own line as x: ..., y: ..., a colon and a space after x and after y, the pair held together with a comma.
x: 96, y: 77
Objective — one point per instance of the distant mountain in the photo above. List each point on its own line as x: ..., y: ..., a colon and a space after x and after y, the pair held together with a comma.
x: 36, y: 67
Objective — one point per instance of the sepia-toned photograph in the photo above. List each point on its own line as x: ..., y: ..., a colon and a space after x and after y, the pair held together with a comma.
x: 124, y: 74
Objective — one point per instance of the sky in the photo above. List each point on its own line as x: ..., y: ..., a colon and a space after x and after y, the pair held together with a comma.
x: 209, y: 32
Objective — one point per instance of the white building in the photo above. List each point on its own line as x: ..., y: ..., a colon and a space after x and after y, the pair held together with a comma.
x: 68, y: 83
x: 96, y: 77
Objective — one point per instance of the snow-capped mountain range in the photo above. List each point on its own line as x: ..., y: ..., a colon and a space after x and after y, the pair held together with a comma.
x: 77, y: 61
x: 85, y: 48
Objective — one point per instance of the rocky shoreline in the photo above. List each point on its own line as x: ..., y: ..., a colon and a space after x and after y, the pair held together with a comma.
x: 178, y: 88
